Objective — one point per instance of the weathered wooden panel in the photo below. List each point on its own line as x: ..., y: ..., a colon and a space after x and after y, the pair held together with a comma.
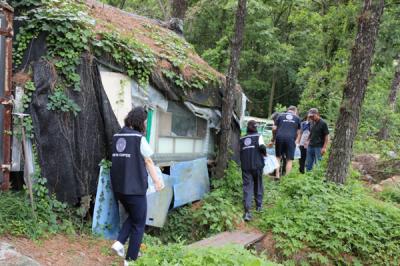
x: 240, y: 237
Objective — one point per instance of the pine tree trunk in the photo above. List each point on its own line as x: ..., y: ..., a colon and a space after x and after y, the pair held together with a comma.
x: 394, y: 91
x: 122, y: 4
x: 354, y: 90
x: 178, y: 8
x: 228, y: 99
x: 272, y: 94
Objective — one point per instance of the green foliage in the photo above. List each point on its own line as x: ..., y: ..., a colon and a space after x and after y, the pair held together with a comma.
x: 332, y: 220
x: 232, y: 182
x: 176, y: 254
x: 68, y: 35
x: 391, y: 194
x: 136, y: 58
x: 44, y: 217
x: 280, y: 108
x: 216, y: 213
x: 106, y: 164
x: 58, y: 101
x: 29, y: 89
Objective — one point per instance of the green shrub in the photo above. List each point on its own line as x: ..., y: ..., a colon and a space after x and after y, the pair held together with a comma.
x: 217, y: 212
x: 391, y: 194
x: 332, y: 220
x: 17, y: 218
x: 232, y: 182
x: 176, y: 254
x: 214, y: 214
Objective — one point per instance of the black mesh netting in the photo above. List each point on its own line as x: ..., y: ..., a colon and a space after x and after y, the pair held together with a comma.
x: 71, y: 147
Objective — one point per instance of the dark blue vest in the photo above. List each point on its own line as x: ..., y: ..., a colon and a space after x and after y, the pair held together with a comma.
x: 128, y: 170
x: 250, y: 154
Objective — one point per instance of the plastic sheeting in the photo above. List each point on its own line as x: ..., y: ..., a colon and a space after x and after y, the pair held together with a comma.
x: 70, y: 147
x: 125, y: 93
x: 213, y: 116
x: 106, y: 214
x: 158, y: 203
x: 190, y: 181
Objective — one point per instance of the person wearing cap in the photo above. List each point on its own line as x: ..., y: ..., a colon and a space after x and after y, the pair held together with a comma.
x: 286, y: 137
x: 318, y: 140
x: 252, y: 152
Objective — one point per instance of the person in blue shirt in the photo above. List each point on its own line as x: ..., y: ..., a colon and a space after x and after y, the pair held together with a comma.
x: 131, y: 163
x: 286, y: 136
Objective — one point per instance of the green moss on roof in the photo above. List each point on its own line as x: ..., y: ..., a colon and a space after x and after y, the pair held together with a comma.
x: 140, y: 45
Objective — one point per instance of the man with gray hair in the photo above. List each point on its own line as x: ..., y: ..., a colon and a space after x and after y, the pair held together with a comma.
x: 286, y: 135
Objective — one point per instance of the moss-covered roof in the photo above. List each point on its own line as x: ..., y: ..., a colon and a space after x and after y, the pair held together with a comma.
x: 140, y: 47
x: 170, y: 50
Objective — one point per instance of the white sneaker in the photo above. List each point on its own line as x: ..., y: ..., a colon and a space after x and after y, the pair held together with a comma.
x: 126, y: 263
x: 118, y: 248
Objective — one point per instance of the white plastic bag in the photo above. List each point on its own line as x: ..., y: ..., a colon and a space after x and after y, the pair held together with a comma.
x: 271, y: 163
x: 297, y: 153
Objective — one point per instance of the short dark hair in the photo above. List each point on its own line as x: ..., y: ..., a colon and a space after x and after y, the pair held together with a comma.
x: 252, y: 127
x: 135, y: 119
x: 292, y: 108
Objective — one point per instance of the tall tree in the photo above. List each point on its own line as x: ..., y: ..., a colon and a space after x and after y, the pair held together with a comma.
x: 228, y: 99
x: 354, y: 90
x: 394, y: 91
x: 178, y: 8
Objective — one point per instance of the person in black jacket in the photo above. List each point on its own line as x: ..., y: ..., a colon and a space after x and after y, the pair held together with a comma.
x: 131, y: 164
x: 252, y: 152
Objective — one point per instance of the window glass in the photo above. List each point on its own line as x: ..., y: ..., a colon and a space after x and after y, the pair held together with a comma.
x: 181, y: 122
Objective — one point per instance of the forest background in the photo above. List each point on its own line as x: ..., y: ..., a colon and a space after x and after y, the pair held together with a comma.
x: 294, y: 53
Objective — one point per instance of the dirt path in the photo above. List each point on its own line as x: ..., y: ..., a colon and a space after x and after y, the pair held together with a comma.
x: 63, y: 250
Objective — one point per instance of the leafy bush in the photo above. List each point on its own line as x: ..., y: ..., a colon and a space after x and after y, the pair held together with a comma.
x: 232, y: 182
x: 217, y: 212
x: 391, y: 194
x: 17, y: 218
x: 176, y: 254
x: 333, y: 221
x: 45, y: 216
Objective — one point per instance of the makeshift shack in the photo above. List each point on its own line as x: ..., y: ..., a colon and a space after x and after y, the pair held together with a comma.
x: 90, y: 64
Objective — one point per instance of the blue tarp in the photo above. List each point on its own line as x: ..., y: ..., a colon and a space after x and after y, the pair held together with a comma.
x: 105, y: 215
x: 190, y: 181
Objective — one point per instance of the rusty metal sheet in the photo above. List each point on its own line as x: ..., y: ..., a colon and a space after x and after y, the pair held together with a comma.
x: 7, y: 31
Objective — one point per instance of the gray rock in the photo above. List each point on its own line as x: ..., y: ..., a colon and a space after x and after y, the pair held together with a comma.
x: 10, y: 257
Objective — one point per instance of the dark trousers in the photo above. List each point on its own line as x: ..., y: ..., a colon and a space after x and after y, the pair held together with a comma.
x: 252, y: 185
x: 133, y: 227
x: 302, y: 160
